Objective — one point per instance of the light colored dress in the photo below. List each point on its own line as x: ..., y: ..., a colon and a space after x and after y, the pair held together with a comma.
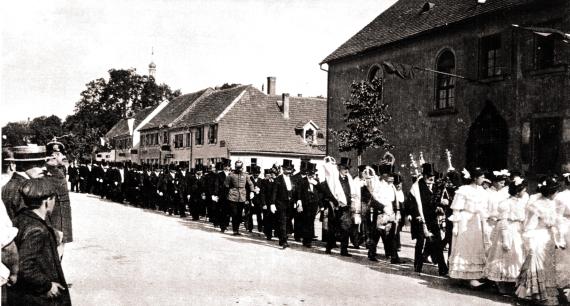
x: 536, y: 279
x: 504, y: 265
x: 467, y: 259
x: 563, y: 256
x: 494, y: 198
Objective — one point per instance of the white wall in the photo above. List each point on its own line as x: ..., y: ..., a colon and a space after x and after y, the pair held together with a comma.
x: 266, y: 162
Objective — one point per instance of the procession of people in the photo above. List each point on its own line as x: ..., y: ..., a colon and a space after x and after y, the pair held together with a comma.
x: 494, y: 231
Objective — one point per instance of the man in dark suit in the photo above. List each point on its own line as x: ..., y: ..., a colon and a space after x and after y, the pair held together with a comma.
x: 40, y: 278
x: 308, y: 204
x: 210, y: 178
x: 84, y: 177
x: 73, y: 179
x: 269, y: 218
x: 339, y: 213
x: 425, y: 226
x: 256, y: 200
x: 221, y: 194
x: 283, y: 200
x: 197, y: 193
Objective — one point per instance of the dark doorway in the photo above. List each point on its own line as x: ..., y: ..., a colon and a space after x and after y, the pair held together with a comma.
x: 488, y: 140
x: 546, y: 145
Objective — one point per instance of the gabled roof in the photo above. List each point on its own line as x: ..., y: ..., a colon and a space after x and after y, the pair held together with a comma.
x: 121, y: 128
x: 209, y: 107
x: 405, y: 19
x: 175, y: 109
x: 265, y: 129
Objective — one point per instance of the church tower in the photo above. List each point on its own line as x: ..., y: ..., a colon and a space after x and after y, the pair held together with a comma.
x: 152, y: 66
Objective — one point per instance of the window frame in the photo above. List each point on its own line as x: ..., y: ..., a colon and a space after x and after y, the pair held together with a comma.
x: 495, y: 67
x: 213, y: 131
x: 199, y: 136
x: 444, y: 83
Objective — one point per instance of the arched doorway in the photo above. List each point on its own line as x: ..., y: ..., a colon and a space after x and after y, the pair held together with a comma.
x: 488, y: 140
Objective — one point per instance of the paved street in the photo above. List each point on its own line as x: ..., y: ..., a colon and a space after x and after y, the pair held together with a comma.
x: 128, y: 256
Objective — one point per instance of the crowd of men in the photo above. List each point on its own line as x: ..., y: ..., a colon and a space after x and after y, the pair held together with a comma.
x: 363, y: 210
x: 283, y: 202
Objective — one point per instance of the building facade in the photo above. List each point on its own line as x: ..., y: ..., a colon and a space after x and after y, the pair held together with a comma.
x: 500, y: 93
x: 239, y: 123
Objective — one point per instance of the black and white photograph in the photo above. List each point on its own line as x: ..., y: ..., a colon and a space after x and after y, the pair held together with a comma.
x: 285, y: 152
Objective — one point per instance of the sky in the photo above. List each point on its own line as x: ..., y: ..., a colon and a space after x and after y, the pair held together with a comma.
x: 51, y: 48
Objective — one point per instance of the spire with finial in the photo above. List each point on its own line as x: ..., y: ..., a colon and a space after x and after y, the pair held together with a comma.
x: 152, y: 65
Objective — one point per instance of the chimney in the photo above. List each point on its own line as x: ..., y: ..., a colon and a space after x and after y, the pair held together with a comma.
x: 285, y: 105
x: 271, y: 85
x: 300, y: 95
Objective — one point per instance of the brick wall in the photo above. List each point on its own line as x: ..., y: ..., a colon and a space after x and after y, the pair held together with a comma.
x: 520, y: 95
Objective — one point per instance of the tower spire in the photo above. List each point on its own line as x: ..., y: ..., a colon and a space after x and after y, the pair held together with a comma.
x: 152, y: 65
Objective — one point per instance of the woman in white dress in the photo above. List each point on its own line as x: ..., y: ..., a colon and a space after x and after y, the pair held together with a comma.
x: 563, y: 252
x: 497, y: 194
x: 506, y: 254
x: 537, y: 277
x: 469, y: 206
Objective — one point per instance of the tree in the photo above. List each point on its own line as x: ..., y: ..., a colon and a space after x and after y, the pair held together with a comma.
x: 16, y: 134
x: 103, y: 103
x: 44, y: 129
x: 366, y: 113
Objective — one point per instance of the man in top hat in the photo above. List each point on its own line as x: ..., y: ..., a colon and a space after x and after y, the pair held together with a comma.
x: 84, y: 177
x: 425, y: 224
x: 210, y: 178
x: 237, y: 194
x: 256, y: 200
x: 73, y: 173
x: 342, y: 209
x: 221, y: 194
x: 269, y: 219
x: 26, y: 163
x: 391, y: 210
x: 198, y: 193
x: 308, y: 203
x: 60, y: 218
x: 283, y: 199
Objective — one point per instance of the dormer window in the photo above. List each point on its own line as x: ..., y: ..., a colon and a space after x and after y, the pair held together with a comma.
x: 308, y: 132
x: 310, y: 136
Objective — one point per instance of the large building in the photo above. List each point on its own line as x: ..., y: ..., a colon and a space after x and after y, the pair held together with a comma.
x: 238, y: 122
x: 488, y: 80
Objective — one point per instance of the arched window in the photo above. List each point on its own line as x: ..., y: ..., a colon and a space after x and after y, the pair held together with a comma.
x: 374, y: 72
x: 445, y: 84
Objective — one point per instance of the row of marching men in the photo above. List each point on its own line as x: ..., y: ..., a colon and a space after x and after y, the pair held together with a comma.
x: 497, y: 233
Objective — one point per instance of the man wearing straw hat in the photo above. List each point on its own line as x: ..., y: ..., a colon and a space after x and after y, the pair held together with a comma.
x: 27, y: 162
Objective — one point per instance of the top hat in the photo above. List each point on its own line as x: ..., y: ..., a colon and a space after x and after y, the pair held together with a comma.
x: 427, y: 170
x: 288, y: 164
x: 255, y: 169
x: 311, y: 168
x: 219, y: 166
x: 226, y: 162
x: 28, y: 153
x: 361, y: 168
x: 376, y: 168
x: 199, y: 167
x: 267, y: 171
x: 183, y: 165
x: 303, y: 166
x: 345, y: 162
x: 397, y: 179
x: 385, y: 168
x: 54, y: 146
